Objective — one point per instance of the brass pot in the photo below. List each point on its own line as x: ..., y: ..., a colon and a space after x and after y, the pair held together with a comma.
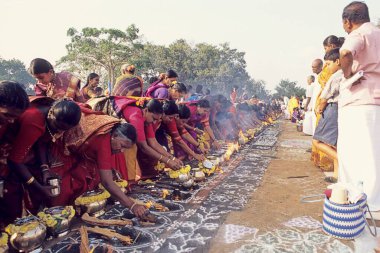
x: 199, y: 175
x: 30, y: 239
x: 189, y: 183
x: 63, y: 223
x: 94, y: 208
x: 183, y: 177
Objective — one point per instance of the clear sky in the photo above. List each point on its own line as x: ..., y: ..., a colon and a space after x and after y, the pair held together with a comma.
x: 280, y: 37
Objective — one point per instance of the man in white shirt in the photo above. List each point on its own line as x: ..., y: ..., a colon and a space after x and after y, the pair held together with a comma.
x: 310, y: 120
x: 309, y: 91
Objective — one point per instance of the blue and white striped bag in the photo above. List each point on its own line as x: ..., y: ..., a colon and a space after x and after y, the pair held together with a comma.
x: 345, y: 221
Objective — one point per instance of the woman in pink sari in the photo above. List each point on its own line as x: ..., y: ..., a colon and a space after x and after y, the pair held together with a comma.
x: 54, y: 85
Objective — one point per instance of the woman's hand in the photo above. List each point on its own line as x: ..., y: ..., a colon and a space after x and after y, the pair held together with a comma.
x: 178, y: 161
x: 46, y: 190
x: 198, y: 131
x: 202, y: 149
x: 174, y: 164
x: 139, y: 210
x: 216, y: 144
x: 199, y: 157
x: 46, y: 174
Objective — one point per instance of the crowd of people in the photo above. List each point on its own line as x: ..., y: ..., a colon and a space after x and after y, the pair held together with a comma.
x: 342, y: 108
x: 86, y: 136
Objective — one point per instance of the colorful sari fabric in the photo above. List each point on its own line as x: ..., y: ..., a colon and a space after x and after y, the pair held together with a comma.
x: 293, y: 103
x: 126, y: 83
x: 64, y: 85
x: 30, y: 128
x: 128, y: 108
x: 87, y: 93
x: 89, y: 146
x: 145, y: 162
x: 157, y: 90
x: 178, y: 151
x: 11, y: 201
x: 319, y: 158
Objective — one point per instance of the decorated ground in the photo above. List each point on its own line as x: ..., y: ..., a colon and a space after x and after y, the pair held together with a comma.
x: 253, y: 206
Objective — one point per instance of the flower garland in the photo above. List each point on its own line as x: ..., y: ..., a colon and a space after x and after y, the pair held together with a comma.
x: 165, y: 193
x: 85, y: 200
x: 51, y: 220
x: 121, y: 183
x: 175, y: 173
x: 3, y: 240
x: 12, y: 228
x: 242, y: 138
x: 251, y: 133
x: 203, y: 143
x: 207, y: 171
x: 160, y: 166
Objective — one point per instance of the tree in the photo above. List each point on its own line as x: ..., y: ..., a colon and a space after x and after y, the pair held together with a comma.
x: 217, y: 67
x: 101, y: 50
x: 14, y: 70
x: 288, y: 88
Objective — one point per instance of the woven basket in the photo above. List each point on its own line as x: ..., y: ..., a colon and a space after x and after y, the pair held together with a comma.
x: 345, y: 221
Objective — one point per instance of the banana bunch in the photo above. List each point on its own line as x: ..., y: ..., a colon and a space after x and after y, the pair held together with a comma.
x: 175, y: 173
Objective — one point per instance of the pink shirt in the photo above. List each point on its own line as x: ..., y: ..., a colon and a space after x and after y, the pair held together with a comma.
x: 364, y: 44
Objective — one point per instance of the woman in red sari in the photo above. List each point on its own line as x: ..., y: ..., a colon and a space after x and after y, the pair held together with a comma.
x: 170, y: 126
x: 13, y: 102
x: 139, y: 116
x: 54, y: 85
x: 199, y: 116
x: 41, y: 124
x: 97, y: 144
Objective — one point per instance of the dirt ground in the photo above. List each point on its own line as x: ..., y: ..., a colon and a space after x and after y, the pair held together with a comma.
x: 290, y: 176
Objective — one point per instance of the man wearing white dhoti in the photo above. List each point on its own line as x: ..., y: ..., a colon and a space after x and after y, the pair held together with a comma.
x: 316, y: 67
x: 308, y: 121
x: 359, y: 106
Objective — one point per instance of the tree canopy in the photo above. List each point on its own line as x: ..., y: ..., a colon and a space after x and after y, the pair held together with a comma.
x: 14, y: 70
x: 217, y: 67
x: 100, y: 50
x: 289, y: 88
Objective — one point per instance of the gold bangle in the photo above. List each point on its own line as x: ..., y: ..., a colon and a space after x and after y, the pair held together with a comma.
x: 30, y: 181
x: 131, y: 208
